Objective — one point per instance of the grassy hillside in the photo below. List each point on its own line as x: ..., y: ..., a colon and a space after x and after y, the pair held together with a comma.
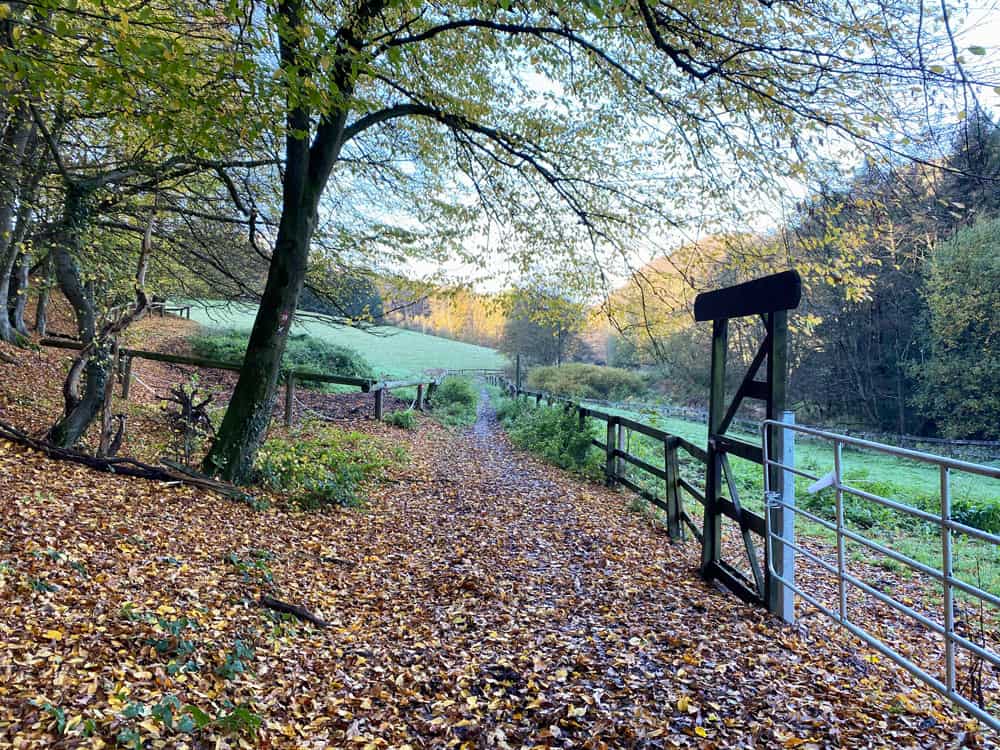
x: 391, y: 351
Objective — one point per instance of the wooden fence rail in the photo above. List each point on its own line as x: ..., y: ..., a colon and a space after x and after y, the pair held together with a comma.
x: 292, y: 376
x: 617, y: 458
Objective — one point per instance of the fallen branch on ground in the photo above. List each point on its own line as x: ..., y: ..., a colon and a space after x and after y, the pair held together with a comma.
x: 337, y: 560
x: 125, y: 466
x: 290, y: 609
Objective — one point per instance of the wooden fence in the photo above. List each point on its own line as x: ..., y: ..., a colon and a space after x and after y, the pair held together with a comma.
x: 162, y: 309
x: 616, y: 456
x: 292, y: 376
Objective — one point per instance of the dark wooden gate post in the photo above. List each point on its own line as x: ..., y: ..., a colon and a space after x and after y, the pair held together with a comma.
x: 712, y: 535
x: 671, y: 467
x: 379, y: 394
x: 609, y: 460
x: 769, y: 297
x: 420, y: 396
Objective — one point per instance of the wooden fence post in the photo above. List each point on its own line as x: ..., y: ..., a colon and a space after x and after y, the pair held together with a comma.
x: 127, y: 377
x: 107, y: 418
x: 420, y: 397
x: 672, y: 468
x: 379, y: 393
x: 620, y: 445
x: 289, y: 397
x: 609, y: 462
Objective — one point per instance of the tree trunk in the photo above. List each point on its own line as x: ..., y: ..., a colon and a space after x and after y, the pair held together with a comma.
x: 18, y: 293
x: 307, y: 170
x: 17, y: 300
x: 42, y: 307
x: 249, y: 412
x: 93, y: 362
x: 13, y: 143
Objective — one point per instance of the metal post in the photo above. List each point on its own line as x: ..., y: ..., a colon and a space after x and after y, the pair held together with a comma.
x: 947, y: 571
x: 289, y: 398
x: 841, y: 545
x: 781, y: 598
x: 609, y: 445
x: 378, y: 403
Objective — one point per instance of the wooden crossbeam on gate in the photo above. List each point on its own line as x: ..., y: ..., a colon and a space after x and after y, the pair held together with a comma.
x: 771, y: 298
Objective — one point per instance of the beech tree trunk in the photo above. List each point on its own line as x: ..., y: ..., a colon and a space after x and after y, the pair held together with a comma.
x: 249, y: 412
x: 17, y: 300
x: 307, y: 170
x: 13, y: 142
x: 42, y: 306
x: 93, y: 365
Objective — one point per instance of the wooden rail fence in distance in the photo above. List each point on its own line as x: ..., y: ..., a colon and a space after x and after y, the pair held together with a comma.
x: 292, y: 376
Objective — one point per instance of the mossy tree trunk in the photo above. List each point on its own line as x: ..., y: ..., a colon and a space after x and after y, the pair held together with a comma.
x: 307, y: 170
x: 93, y: 365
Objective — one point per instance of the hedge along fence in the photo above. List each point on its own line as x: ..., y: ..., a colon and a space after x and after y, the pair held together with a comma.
x: 617, y: 458
x: 424, y: 385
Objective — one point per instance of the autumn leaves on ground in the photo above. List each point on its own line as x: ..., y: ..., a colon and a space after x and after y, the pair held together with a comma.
x: 478, y: 599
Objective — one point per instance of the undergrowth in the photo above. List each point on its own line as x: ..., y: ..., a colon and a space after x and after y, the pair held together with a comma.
x: 581, y: 381
x: 455, y: 401
x: 301, y: 352
x: 331, y: 467
x: 551, y: 432
x: 405, y: 419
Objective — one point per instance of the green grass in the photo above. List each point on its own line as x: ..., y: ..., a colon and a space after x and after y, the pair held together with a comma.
x: 455, y: 402
x: 392, y: 352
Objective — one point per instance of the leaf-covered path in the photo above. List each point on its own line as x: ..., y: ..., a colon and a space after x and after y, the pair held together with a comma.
x: 482, y: 600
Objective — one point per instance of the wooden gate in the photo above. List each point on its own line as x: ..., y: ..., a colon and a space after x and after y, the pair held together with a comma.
x: 770, y: 297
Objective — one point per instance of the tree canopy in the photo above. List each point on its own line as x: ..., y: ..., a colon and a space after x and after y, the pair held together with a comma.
x: 374, y: 134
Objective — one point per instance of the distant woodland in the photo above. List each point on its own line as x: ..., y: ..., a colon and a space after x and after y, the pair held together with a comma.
x: 899, y: 330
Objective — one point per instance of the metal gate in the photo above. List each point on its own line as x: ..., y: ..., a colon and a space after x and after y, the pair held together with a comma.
x: 958, y: 647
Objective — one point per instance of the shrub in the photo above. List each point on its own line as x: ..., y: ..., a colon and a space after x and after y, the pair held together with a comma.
x: 330, y: 468
x: 302, y: 352
x: 404, y: 418
x: 582, y: 381
x: 553, y: 433
x: 455, y: 402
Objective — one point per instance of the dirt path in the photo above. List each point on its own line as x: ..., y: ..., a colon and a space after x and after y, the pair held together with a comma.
x: 603, y: 633
x: 487, y: 601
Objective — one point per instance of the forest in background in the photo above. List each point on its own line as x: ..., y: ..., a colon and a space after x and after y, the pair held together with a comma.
x: 904, y: 340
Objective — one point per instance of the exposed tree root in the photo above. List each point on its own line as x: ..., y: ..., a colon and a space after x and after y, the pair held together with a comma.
x: 290, y: 609
x: 124, y: 466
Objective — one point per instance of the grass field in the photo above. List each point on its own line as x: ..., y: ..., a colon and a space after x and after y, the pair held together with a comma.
x: 391, y: 352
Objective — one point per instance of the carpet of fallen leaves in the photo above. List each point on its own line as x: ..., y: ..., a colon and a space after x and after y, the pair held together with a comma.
x: 481, y: 599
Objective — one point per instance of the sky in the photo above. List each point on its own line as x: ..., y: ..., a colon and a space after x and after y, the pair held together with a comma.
x: 976, y: 25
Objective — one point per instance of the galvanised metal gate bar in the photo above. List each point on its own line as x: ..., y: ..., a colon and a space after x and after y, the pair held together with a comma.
x: 945, y: 575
